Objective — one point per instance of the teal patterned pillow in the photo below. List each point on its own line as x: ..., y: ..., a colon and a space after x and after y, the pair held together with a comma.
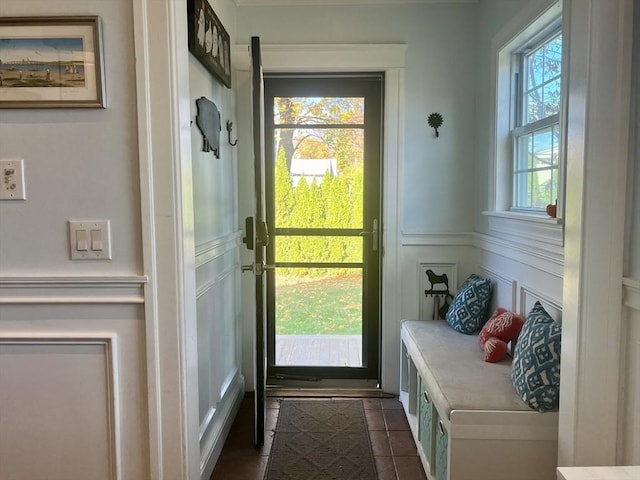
x: 535, y: 371
x: 468, y: 311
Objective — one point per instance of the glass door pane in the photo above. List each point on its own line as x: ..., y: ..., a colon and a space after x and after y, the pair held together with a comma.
x: 324, y: 318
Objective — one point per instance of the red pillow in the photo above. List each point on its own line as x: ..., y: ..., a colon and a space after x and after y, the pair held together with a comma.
x: 503, y: 325
x: 482, y: 339
x: 494, y: 350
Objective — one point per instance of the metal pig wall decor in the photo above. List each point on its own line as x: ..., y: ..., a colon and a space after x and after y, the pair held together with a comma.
x: 208, y: 121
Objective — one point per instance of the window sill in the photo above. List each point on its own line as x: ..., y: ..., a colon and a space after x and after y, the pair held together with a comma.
x: 530, y: 229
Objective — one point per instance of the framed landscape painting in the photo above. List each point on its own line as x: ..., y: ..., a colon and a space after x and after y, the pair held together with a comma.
x: 208, y: 40
x: 51, y: 62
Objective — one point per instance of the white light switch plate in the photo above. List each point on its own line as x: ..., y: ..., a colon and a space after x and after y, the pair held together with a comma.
x: 12, y: 179
x: 95, y: 236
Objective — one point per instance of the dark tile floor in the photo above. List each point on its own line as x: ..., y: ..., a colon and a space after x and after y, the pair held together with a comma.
x: 393, y: 448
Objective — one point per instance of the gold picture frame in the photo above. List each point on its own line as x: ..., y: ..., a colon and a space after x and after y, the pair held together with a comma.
x: 51, y: 62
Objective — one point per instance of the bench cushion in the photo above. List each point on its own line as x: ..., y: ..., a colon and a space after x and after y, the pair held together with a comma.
x: 453, y: 370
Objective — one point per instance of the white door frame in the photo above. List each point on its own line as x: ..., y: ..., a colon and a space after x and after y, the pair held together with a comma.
x: 164, y: 143
x: 390, y: 59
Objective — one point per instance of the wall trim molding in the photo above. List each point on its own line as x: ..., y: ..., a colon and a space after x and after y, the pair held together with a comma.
x: 438, y: 239
x: 72, y: 289
x: 109, y: 342
x: 531, y: 256
x: 209, y: 251
x: 527, y: 229
x: 326, y: 57
x: 526, y: 291
x: 209, y: 284
x: 631, y: 293
x: 499, y: 277
x: 549, y: 259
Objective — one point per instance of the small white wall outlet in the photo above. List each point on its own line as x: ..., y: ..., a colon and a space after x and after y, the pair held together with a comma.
x: 12, y: 179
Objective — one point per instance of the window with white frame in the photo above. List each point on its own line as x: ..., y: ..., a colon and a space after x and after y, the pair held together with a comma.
x: 527, y: 163
x: 536, y: 136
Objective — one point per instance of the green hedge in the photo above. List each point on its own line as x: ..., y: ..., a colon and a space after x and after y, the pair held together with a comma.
x: 335, y: 202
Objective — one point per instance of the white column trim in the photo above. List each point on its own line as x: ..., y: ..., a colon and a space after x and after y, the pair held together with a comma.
x: 162, y: 87
x: 599, y: 35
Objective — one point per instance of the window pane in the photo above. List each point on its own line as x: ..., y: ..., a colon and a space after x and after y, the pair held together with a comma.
x: 552, y: 58
x: 319, y: 183
x: 319, y: 318
x: 536, y: 168
x: 298, y: 248
x: 534, y: 64
x: 541, y: 90
x: 544, y: 63
x: 537, y: 152
x: 536, y: 189
x: 543, y: 148
x: 551, y: 98
x: 522, y: 190
x: 318, y: 110
x: 524, y: 154
x: 535, y: 106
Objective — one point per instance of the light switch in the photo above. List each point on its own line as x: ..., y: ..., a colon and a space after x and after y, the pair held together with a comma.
x: 90, y: 239
x: 81, y: 240
x: 96, y: 240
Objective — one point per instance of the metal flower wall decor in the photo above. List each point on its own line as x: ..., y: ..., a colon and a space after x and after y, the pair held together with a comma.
x: 435, y: 121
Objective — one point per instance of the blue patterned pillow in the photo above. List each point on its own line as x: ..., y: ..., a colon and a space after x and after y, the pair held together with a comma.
x: 468, y: 311
x: 536, y: 361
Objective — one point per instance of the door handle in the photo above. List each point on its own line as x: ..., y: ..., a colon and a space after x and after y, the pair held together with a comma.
x: 374, y: 234
x: 258, y: 268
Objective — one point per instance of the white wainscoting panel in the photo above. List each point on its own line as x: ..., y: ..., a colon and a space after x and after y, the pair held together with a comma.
x: 504, y: 289
x: 220, y: 382
x: 528, y: 297
x: 548, y: 260
x: 631, y: 293
x: 59, y: 412
x: 629, y: 421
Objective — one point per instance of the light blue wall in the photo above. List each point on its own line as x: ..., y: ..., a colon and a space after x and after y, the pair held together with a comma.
x: 437, y: 175
x: 492, y: 17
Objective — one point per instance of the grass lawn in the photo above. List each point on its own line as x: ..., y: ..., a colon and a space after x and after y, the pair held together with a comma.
x: 325, y: 306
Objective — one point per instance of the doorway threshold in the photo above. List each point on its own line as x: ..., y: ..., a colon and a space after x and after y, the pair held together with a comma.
x: 327, y: 392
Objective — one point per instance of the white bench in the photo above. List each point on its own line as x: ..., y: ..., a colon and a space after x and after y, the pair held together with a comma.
x: 466, y: 418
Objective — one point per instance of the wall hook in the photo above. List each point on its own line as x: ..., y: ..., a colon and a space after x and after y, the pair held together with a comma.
x: 435, y: 122
x: 229, y: 129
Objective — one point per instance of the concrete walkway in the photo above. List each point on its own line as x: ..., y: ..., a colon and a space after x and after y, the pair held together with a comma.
x: 319, y: 350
